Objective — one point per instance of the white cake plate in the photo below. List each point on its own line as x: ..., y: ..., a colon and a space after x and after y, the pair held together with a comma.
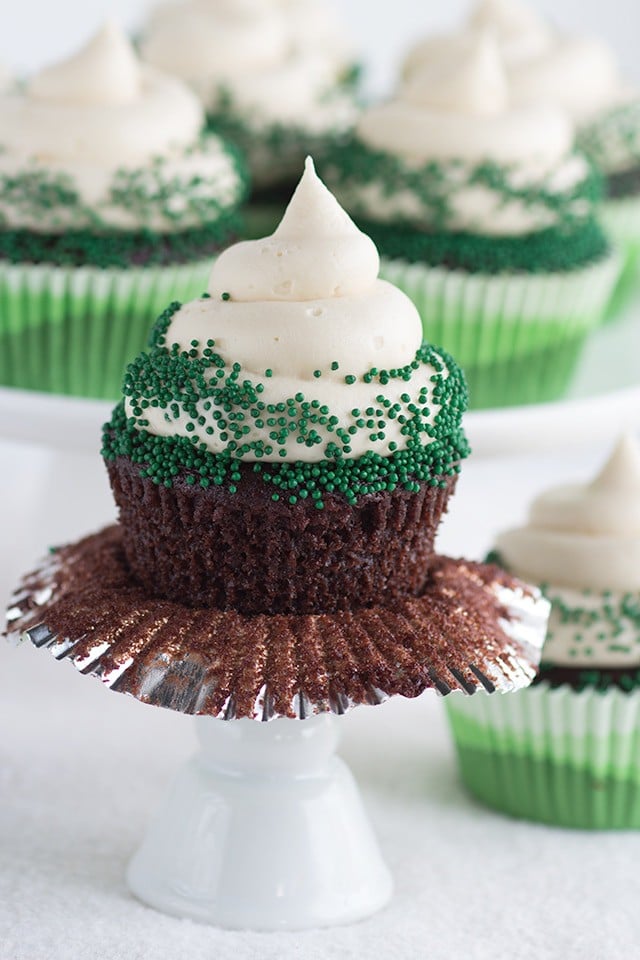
x: 602, y: 401
x: 263, y: 829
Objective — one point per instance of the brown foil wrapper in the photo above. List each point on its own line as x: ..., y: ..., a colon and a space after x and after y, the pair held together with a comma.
x: 474, y: 627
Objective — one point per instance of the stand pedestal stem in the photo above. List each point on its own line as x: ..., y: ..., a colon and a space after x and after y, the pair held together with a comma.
x: 263, y: 829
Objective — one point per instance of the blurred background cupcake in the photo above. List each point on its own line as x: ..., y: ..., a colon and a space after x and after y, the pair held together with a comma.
x: 486, y: 216
x: 112, y: 201
x: 566, y: 751
x: 276, y: 77
x: 581, y: 75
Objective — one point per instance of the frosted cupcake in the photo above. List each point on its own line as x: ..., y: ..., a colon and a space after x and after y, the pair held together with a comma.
x: 566, y: 751
x: 580, y: 74
x: 270, y: 73
x: 317, y: 464
x: 281, y: 459
x: 486, y: 216
x: 112, y: 201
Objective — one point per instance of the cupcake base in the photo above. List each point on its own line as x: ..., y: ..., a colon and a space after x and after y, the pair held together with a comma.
x: 473, y: 627
x: 209, y: 546
x: 517, y: 336
x: 72, y: 330
x: 553, y: 755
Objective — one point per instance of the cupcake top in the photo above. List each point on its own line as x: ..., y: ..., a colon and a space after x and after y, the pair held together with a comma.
x: 575, y: 72
x: 582, y: 543
x: 101, y: 141
x: 254, y: 59
x: 463, y: 157
x: 300, y: 361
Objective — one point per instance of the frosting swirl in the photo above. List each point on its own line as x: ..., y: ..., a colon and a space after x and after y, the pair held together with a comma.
x: 454, y: 111
x: 302, y: 316
x: 584, y: 536
x: 80, y: 123
x: 582, y: 542
x: 254, y: 59
x: 578, y: 73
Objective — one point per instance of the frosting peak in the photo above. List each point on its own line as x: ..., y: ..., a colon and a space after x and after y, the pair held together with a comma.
x: 104, y: 71
x: 473, y: 82
x: 585, y: 535
x: 518, y: 29
x: 608, y: 506
x: 316, y: 252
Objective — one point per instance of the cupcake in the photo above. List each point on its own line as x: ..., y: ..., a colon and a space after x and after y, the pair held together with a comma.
x: 565, y: 751
x: 294, y: 416
x: 579, y: 74
x: 271, y: 74
x: 281, y: 459
x: 486, y: 216
x: 112, y: 201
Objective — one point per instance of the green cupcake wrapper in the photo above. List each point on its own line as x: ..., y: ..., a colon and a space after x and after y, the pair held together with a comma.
x: 553, y: 755
x: 621, y: 219
x: 516, y: 336
x: 72, y: 330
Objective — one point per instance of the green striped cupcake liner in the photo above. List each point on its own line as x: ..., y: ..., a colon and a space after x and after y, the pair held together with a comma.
x: 553, y: 755
x: 621, y: 219
x: 517, y: 336
x: 72, y: 330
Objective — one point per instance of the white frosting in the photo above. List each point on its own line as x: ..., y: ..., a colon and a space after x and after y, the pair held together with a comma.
x: 101, y: 111
x: 300, y: 300
x: 257, y: 53
x: 455, y: 108
x: 593, y: 628
x: 577, y: 73
x: 586, y: 537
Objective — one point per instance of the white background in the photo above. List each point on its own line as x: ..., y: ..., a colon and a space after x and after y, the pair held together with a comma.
x: 35, y: 31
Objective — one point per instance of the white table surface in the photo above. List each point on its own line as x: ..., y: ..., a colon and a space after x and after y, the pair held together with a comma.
x: 81, y: 769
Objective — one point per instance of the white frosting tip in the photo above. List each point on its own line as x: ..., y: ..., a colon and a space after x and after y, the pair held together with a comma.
x: 467, y: 76
x: 105, y: 70
x: 622, y: 469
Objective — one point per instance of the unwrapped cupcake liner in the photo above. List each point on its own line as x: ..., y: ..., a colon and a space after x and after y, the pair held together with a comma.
x: 554, y: 755
x: 621, y: 219
x: 473, y: 627
x: 517, y: 336
x: 72, y: 330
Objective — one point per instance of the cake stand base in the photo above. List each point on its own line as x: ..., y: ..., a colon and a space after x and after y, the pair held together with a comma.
x: 263, y: 829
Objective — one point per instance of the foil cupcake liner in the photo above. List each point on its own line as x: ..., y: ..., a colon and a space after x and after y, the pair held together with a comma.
x: 474, y: 627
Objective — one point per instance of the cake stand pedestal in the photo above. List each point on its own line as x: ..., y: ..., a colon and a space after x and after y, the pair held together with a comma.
x: 263, y: 829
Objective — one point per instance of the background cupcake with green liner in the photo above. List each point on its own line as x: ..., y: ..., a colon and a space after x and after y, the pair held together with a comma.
x: 567, y: 750
x: 581, y: 75
x: 271, y: 74
x: 487, y: 216
x: 266, y: 439
x: 112, y: 201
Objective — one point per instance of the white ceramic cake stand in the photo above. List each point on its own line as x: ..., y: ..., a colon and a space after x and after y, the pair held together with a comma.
x: 263, y: 829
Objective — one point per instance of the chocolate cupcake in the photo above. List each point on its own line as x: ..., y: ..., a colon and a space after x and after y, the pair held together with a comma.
x: 581, y: 75
x: 565, y: 751
x: 288, y: 429
x: 113, y: 201
x: 486, y: 216
x: 281, y: 459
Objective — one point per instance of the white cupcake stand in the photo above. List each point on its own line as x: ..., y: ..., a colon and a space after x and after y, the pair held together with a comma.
x: 263, y: 829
